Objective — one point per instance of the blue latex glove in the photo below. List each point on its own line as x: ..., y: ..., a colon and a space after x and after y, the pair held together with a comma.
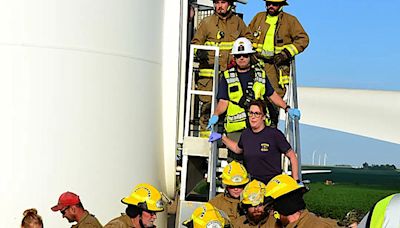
x: 294, y: 113
x: 214, y: 136
x: 213, y: 120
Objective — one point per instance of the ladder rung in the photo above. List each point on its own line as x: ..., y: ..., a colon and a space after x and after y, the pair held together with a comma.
x: 201, y: 92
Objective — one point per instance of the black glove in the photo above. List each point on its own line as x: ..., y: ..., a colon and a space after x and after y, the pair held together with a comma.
x: 283, y: 57
x: 202, y: 55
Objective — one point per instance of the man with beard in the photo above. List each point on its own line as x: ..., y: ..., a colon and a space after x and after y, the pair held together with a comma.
x: 255, y: 207
x: 143, y: 204
x: 240, y: 85
x: 278, y: 37
x: 289, y: 207
x: 72, y: 209
x: 234, y: 178
x: 220, y: 29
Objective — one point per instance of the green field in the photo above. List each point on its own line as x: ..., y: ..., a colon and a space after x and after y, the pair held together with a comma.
x: 352, y: 189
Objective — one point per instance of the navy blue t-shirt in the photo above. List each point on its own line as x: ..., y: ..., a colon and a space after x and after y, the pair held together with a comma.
x: 262, y: 152
x: 244, y: 79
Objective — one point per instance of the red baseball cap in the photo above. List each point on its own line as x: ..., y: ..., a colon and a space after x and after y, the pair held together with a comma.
x: 66, y: 199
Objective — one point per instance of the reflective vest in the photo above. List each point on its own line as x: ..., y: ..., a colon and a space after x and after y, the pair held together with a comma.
x: 267, y: 29
x: 385, y: 213
x: 267, y: 48
x: 236, y: 116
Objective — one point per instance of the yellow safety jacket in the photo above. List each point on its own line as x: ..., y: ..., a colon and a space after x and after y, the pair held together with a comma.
x: 385, y: 213
x: 221, y: 32
x: 272, y: 34
x: 236, y: 116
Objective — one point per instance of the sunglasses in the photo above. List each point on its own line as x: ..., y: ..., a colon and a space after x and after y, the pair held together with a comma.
x: 63, y: 211
x: 240, y: 55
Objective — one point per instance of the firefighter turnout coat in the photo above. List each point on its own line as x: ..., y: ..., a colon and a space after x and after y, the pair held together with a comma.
x: 222, y: 32
x: 286, y: 32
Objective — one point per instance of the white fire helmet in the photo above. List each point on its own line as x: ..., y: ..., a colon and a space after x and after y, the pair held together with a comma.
x: 242, y: 46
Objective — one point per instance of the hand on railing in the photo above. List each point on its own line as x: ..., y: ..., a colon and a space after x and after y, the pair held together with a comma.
x: 213, y: 120
x: 294, y: 113
x: 214, y: 136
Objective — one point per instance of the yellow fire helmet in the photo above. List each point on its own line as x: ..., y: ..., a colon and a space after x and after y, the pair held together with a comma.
x: 253, y: 193
x: 234, y: 174
x: 146, y: 197
x: 283, y: 1
x: 206, y: 216
x: 281, y: 185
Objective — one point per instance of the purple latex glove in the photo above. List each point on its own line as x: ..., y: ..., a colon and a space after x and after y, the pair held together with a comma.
x: 214, y: 136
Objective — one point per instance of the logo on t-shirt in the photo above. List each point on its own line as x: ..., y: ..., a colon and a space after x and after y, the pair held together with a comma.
x: 264, y: 147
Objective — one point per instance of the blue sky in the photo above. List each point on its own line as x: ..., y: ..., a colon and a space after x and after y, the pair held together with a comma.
x: 353, y: 44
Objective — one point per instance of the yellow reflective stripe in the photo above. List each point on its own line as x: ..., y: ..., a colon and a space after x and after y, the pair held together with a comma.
x: 258, y: 47
x: 206, y: 73
x: 279, y: 49
x: 226, y: 46
x: 210, y: 43
x: 290, y: 47
x: 269, y: 40
x: 283, y: 79
x: 378, y: 214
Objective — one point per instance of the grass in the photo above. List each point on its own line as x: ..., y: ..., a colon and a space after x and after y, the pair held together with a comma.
x: 353, y: 189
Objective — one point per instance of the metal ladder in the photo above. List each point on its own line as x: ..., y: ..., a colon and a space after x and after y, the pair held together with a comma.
x: 292, y: 130
x: 195, y: 146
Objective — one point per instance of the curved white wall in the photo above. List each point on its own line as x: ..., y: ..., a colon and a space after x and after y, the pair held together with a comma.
x: 80, y: 107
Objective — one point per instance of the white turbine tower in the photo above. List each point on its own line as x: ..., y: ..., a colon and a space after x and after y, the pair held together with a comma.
x: 319, y: 159
x: 313, y: 155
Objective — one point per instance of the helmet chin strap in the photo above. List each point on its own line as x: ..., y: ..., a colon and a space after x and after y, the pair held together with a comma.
x: 141, y: 222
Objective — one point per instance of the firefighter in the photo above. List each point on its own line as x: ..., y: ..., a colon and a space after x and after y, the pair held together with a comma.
x: 289, y: 207
x: 234, y: 178
x: 143, y: 204
x: 207, y: 216
x: 277, y: 37
x: 255, y: 207
x: 71, y: 208
x: 220, y: 29
x: 385, y: 213
x: 239, y: 86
